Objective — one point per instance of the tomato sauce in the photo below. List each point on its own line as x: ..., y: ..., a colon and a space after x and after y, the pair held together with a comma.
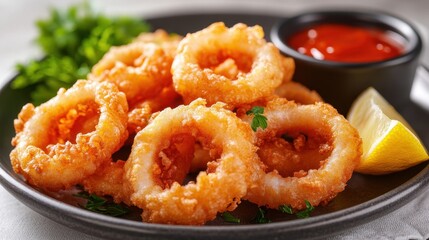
x: 346, y: 43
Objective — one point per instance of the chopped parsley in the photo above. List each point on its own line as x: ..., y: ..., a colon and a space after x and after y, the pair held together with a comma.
x: 259, y: 120
x: 306, y: 212
x: 101, y: 205
x: 260, y: 216
x: 285, y: 209
x: 301, y: 214
x: 228, y: 217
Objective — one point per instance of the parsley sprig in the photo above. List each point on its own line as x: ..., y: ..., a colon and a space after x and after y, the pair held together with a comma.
x: 259, y: 120
x: 261, y: 216
x: 228, y: 217
x: 72, y: 40
x: 101, y: 205
x: 301, y: 214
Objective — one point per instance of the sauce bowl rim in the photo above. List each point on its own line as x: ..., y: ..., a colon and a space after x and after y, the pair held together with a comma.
x: 414, y: 43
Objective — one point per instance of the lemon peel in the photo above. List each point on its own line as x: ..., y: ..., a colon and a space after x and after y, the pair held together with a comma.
x: 389, y: 142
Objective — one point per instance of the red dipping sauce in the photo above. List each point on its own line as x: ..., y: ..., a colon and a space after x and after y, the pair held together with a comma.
x: 346, y: 43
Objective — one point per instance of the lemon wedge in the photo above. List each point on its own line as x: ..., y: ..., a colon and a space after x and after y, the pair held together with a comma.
x: 389, y: 142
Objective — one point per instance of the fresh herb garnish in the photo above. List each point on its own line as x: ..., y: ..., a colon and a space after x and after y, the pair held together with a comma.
x: 301, y: 214
x: 260, y: 216
x: 286, y: 209
x: 101, y: 205
x: 258, y: 120
x: 306, y: 212
x: 72, y: 42
x: 228, y: 217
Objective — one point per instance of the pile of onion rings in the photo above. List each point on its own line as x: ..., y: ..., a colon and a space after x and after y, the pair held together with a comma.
x: 178, y: 107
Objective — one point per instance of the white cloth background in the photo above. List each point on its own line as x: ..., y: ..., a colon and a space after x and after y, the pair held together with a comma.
x: 17, y: 31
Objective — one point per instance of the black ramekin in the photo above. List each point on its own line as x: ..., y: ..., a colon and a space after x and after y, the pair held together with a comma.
x: 340, y: 83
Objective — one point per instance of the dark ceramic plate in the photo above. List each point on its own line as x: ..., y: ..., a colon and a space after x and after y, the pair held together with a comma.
x: 365, y: 198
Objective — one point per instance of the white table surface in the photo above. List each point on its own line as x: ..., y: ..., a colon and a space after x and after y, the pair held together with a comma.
x: 18, y: 31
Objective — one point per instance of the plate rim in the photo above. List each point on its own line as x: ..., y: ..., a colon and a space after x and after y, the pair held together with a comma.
x: 352, y: 216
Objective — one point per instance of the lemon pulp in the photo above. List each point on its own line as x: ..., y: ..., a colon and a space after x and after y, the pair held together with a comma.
x: 389, y: 142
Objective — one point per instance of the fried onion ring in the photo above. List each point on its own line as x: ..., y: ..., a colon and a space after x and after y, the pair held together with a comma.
x: 318, y: 185
x: 55, y: 148
x: 168, y: 42
x: 109, y: 180
x: 218, y: 189
x: 140, y: 113
x: 288, y: 68
x: 297, y: 92
x: 260, y: 67
x: 140, y: 70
